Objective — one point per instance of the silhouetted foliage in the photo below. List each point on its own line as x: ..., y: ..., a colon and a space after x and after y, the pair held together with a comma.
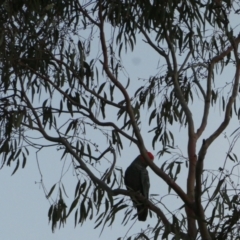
x: 59, y: 91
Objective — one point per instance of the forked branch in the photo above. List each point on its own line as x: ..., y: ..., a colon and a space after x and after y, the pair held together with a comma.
x: 129, y: 109
x: 215, y: 134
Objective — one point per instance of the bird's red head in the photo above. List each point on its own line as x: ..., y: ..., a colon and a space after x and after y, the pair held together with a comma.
x: 150, y: 155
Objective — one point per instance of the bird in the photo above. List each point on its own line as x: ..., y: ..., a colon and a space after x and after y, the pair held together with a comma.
x: 136, y: 179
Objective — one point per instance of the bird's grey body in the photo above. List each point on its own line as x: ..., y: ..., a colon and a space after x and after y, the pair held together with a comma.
x: 137, y: 180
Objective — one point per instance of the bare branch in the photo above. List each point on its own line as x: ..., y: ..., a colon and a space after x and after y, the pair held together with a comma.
x: 209, y: 83
x: 86, y: 87
x: 90, y: 115
x: 85, y: 13
x: 40, y: 127
x: 108, y: 174
x: 192, y: 229
x: 130, y: 112
x: 65, y: 143
x: 184, y: 62
x: 155, y: 209
x: 177, y: 88
x: 156, y: 48
x: 198, y: 84
x: 207, y: 101
x: 231, y: 100
x: 201, y: 220
x: 207, y: 142
x: 200, y: 64
x: 220, y: 57
x: 94, y: 158
x: 171, y: 183
x: 116, y: 82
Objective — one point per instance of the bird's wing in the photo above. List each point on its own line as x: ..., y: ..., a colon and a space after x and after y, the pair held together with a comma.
x: 145, y: 183
x: 133, y: 178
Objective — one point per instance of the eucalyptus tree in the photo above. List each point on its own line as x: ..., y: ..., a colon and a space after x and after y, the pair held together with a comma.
x: 63, y: 84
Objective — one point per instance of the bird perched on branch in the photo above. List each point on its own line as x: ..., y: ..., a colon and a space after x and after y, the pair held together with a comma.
x: 136, y: 179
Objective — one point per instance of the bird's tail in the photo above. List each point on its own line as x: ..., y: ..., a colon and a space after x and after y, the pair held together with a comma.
x: 142, y: 212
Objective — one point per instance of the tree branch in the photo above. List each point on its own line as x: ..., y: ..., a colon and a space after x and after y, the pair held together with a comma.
x: 91, y: 115
x: 85, y: 13
x: 208, y: 141
x: 207, y: 101
x: 231, y: 100
x: 201, y: 219
x: 192, y: 230
x: 157, y: 49
x: 94, y: 158
x: 184, y: 62
x: 85, y: 86
x: 121, y: 191
x: 198, y: 84
x: 116, y: 82
x: 130, y: 112
x: 96, y: 180
x: 64, y: 143
x: 177, y: 88
x: 155, y: 209
x: 209, y: 82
